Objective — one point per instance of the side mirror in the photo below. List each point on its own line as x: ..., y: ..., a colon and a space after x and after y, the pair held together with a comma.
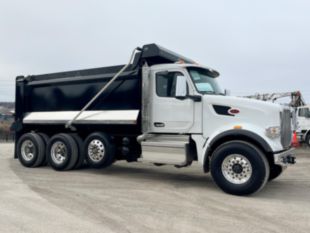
x: 181, y: 87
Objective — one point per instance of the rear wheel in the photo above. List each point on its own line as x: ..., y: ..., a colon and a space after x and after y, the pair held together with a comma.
x: 99, y: 150
x: 31, y: 150
x: 239, y: 168
x: 45, y: 138
x: 62, y: 152
x: 81, y: 154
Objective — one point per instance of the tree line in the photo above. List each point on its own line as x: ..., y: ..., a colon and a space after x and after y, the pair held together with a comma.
x: 6, y: 120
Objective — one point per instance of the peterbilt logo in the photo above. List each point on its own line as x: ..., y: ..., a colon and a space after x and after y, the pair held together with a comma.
x: 233, y: 111
x: 225, y: 110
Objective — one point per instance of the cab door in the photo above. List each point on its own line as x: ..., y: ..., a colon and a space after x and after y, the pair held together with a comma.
x: 168, y: 113
x: 304, y: 118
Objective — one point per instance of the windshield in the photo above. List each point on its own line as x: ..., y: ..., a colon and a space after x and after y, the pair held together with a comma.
x: 205, y: 84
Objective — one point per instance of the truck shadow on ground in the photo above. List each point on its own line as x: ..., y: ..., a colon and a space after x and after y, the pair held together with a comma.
x: 123, y: 173
x: 279, y: 189
x: 195, y: 179
x: 165, y: 174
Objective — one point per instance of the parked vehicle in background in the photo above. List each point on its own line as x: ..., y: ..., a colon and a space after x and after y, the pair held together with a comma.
x: 300, y: 111
x: 160, y: 108
x: 303, y: 123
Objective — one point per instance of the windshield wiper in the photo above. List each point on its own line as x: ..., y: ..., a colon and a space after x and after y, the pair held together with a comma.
x: 208, y: 92
x: 211, y: 93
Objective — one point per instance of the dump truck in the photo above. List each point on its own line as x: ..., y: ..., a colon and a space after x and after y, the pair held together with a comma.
x: 160, y: 108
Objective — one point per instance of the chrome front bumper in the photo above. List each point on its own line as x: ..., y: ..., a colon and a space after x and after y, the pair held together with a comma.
x: 284, y: 158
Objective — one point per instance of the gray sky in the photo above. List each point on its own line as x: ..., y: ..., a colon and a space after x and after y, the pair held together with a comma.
x: 257, y: 46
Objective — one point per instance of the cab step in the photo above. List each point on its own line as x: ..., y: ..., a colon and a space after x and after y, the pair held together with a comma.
x: 166, y: 149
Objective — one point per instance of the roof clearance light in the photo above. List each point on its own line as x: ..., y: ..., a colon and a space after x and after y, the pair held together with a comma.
x: 237, y: 127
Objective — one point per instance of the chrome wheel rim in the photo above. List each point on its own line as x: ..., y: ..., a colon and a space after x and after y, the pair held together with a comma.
x: 59, y: 152
x: 28, y: 150
x: 237, y: 169
x: 96, y: 150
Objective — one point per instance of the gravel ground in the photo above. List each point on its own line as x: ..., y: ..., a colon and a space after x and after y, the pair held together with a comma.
x: 143, y: 198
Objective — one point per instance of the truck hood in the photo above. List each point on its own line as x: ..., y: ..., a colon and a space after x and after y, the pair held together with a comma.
x: 235, y: 102
x: 251, y: 113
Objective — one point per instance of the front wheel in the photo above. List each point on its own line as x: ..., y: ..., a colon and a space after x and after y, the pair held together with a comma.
x: 239, y: 168
x: 275, y: 171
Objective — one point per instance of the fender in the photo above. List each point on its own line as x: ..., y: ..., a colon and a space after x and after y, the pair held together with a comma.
x: 235, y: 134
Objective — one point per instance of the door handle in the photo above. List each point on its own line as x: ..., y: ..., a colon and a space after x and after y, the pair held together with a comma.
x: 159, y: 124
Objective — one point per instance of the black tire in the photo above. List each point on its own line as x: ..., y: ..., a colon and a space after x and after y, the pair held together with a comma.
x: 275, y: 171
x: 33, y: 154
x: 239, y: 168
x: 308, y: 139
x: 81, y: 155
x: 69, y: 152
x: 103, y: 143
x: 45, y: 138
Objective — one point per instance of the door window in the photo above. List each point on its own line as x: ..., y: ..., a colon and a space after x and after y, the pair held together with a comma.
x: 304, y: 112
x: 166, y: 83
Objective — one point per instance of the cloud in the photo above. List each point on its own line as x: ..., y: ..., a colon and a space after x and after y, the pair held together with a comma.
x: 257, y: 46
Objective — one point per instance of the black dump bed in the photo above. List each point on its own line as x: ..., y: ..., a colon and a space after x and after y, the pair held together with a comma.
x: 72, y: 90
x: 46, y: 103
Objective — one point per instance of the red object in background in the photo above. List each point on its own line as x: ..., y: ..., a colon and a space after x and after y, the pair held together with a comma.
x: 295, y: 142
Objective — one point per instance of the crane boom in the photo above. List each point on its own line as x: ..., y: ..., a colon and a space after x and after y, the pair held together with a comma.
x: 296, y: 97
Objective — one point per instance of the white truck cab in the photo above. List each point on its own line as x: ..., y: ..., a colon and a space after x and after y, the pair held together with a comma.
x: 303, y: 123
x: 185, y: 100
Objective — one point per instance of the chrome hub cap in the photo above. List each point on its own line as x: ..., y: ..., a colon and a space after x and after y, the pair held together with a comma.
x: 237, y: 169
x: 96, y: 150
x: 28, y: 150
x: 59, y: 152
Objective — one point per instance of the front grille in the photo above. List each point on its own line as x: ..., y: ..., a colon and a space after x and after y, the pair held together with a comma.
x: 286, y: 128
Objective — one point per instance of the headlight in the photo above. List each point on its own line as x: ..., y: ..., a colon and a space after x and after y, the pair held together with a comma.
x: 273, y: 132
